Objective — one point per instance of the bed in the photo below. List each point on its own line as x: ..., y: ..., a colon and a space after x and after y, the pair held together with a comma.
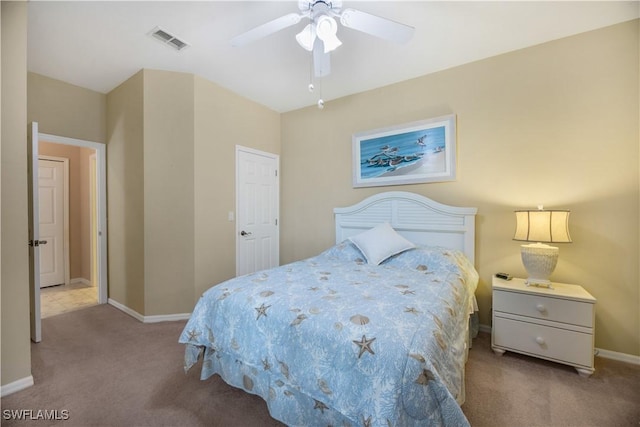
x: 360, y: 334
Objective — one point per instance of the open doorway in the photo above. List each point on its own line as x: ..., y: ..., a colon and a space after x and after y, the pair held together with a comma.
x: 67, y: 277
x: 83, y: 257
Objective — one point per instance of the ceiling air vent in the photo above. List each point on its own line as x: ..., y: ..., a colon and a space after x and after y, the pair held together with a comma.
x: 168, y: 38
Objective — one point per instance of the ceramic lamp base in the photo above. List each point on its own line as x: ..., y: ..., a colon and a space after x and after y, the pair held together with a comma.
x: 539, y: 260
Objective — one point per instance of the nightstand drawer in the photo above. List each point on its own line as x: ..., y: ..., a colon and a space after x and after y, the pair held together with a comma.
x: 543, y: 307
x: 544, y: 341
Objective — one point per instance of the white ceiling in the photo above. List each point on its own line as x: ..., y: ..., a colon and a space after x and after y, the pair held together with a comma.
x: 98, y: 45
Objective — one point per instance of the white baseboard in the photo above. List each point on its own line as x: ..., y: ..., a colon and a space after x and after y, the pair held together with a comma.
x: 126, y: 309
x: 149, y: 319
x: 605, y: 354
x: 484, y: 328
x: 621, y: 357
x: 16, y: 386
x: 166, y: 317
x: 81, y: 280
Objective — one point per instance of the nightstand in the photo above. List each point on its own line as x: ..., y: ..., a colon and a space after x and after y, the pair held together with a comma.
x: 555, y: 324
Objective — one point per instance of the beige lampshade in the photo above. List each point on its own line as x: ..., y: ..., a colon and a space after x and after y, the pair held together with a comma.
x: 544, y: 226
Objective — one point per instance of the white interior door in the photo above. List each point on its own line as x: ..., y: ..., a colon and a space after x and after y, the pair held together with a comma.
x: 34, y: 234
x: 257, y: 207
x: 51, y: 182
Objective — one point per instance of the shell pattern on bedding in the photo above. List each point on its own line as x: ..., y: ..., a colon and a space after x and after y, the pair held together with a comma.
x: 334, y: 341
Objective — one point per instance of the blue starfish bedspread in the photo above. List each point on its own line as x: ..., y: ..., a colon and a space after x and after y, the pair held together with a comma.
x: 331, y: 340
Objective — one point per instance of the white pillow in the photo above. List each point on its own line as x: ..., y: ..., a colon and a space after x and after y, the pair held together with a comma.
x: 380, y: 243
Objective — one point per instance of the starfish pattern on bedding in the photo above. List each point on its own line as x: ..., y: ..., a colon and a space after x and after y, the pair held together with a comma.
x: 262, y: 310
x: 320, y: 405
x: 193, y: 334
x: 365, y: 345
x: 424, y: 377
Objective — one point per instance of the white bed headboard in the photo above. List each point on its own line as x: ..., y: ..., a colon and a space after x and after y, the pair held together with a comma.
x: 417, y: 218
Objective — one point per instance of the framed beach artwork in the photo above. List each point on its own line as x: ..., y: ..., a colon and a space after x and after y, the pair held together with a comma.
x: 411, y: 153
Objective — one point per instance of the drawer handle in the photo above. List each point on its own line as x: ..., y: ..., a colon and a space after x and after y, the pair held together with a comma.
x: 540, y: 340
x: 541, y: 308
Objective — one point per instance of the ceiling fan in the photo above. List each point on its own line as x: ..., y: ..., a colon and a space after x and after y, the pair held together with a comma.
x: 320, y: 35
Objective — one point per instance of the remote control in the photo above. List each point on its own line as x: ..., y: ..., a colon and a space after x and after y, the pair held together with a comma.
x: 503, y: 276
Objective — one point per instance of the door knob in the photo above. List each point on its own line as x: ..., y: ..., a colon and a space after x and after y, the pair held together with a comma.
x: 245, y: 233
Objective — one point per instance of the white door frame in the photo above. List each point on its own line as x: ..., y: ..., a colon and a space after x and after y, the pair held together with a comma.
x: 101, y: 198
x: 93, y: 217
x: 101, y: 163
x: 240, y: 148
x: 65, y: 192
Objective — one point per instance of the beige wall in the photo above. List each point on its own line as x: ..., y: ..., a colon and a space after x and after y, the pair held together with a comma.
x: 168, y: 192
x: 79, y: 233
x: 125, y: 193
x: 14, y: 285
x: 67, y: 110
x: 555, y: 124
x: 222, y: 121
x: 171, y: 175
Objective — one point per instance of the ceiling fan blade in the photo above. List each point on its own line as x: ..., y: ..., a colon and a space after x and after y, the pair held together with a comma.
x: 266, y: 29
x: 321, y: 60
x: 376, y: 26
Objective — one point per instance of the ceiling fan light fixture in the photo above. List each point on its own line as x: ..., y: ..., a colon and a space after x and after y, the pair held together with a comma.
x: 326, y: 29
x: 306, y: 37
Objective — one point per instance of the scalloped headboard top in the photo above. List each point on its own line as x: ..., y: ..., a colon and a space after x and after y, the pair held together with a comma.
x: 419, y: 219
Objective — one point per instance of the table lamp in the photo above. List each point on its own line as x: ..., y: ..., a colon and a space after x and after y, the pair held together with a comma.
x: 541, y: 226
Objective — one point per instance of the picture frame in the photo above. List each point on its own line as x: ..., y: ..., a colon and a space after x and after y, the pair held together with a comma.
x: 411, y: 153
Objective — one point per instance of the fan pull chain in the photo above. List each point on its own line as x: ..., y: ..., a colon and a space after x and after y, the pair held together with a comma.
x: 320, y: 101
x: 311, y: 86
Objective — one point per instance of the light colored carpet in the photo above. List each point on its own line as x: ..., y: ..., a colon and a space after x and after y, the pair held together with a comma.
x: 108, y: 369
x: 518, y: 390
